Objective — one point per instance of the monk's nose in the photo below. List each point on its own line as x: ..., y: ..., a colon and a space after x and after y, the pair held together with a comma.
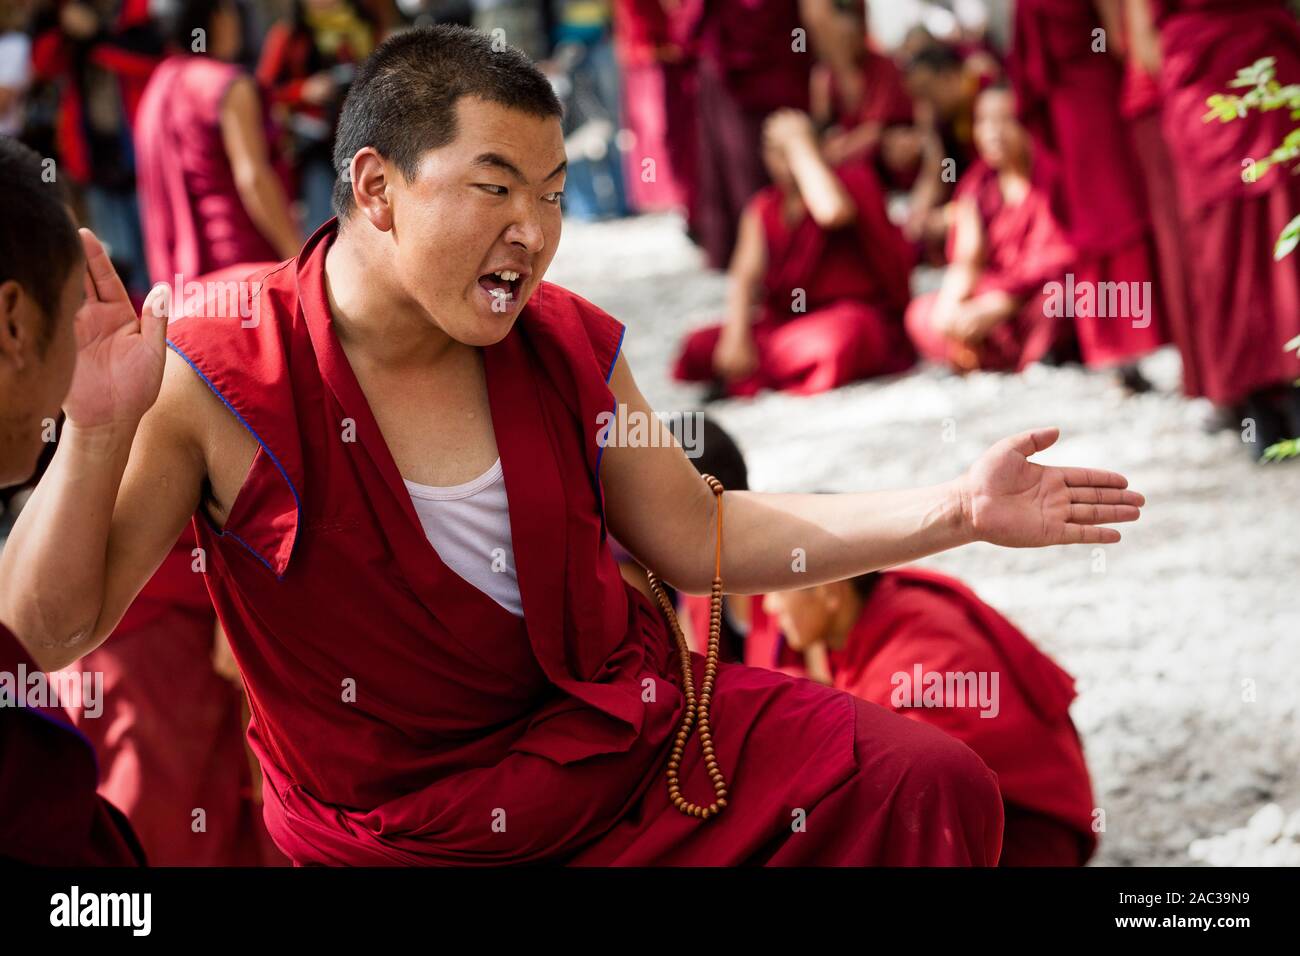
x: 527, y: 233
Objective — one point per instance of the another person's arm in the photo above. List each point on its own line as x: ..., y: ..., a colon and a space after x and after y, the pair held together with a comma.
x: 662, y: 512
x: 259, y: 187
x: 736, y: 355
x: 964, y: 267
x: 829, y: 203
x: 123, y: 482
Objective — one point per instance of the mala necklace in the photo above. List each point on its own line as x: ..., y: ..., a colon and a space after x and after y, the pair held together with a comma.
x: 697, y: 711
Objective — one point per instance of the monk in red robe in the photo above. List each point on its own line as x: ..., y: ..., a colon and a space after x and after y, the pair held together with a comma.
x: 49, y: 811
x: 420, y: 699
x: 1004, y: 247
x: 209, y: 197
x: 1245, y: 305
x: 657, y: 84
x: 818, y: 283
x: 1142, y: 105
x: 752, y: 57
x: 858, y: 98
x: 1067, y: 73
x: 170, y: 732
x: 926, y: 646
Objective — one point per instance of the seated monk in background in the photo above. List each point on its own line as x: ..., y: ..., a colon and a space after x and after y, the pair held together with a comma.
x: 891, y: 637
x: 859, y: 99
x: 1003, y: 248
x: 818, y: 281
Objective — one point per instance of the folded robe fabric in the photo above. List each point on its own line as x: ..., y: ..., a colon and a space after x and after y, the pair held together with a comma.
x: 403, y: 717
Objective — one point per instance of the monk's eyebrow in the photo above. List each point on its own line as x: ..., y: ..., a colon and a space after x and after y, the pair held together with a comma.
x: 497, y: 161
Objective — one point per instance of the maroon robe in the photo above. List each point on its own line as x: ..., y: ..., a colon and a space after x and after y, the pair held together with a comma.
x: 1069, y: 98
x: 1025, y: 248
x: 916, y: 617
x: 1142, y: 106
x: 657, y: 86
x: 170, y: 739
x: 404, y: 717
x: 50, y: 814
x: 854, y: 284
x: 1245, y: 306
x: 194, y: 221
x: 746, y: 68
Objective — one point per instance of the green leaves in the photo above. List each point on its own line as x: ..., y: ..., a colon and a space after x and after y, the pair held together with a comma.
x: 1286, y: 242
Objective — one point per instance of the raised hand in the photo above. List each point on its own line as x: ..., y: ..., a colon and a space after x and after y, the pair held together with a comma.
x: 120, y: 356
x: 1009, y: 500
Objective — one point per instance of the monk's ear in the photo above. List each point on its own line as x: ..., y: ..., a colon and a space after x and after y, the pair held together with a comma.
x: 13, y: 328
x: 370, y: 180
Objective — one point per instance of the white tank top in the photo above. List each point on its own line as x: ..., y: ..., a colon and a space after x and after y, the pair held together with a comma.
x: 469, y: 526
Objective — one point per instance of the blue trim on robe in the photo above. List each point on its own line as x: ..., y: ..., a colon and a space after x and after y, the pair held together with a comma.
x: 297, y: 500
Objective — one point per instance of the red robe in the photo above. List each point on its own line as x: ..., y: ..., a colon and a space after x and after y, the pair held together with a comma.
x: 402, y: 716
x: 915, y: 617
x: 658, y: 108
x: 854, y: 282
x: 1069, y: 98
x: 1025, y: 249
x: 746, y: 67
x: 1245, y: 306
x: 171, y: 737
x: 194, y: 221
x: 1144, y: 110
x: 50, y: 814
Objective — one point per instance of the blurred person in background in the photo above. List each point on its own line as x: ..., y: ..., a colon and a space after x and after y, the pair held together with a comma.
x: 15, y: 65
x: 99, y: 54
x: 209, y: 195
x: 306, y: 65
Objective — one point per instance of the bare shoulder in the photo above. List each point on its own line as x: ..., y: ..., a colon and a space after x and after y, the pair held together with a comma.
x: 199, y: 429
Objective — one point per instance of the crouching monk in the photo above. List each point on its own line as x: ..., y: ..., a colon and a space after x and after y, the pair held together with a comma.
x: 393, y: 470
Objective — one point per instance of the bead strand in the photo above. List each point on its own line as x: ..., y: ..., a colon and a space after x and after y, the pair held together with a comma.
x: 696, y: 711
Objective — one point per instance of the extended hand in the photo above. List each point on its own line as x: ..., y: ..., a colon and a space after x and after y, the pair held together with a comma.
x: 1009, y: 500
x: 119, y: 357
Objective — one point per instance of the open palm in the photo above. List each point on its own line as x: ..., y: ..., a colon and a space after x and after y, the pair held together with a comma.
x: 120, y: 356
x: 1016, y: 503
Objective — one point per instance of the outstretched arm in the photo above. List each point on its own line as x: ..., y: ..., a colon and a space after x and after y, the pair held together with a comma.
x: 662, y: 512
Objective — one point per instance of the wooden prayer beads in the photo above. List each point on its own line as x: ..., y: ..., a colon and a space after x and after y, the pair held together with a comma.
x: 697, y: 711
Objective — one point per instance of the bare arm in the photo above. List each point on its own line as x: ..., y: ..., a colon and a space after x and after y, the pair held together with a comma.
x: 662, y: 512
x: 828, y: 202
x: 117, y: 492
x: 967, y: 260
x: 259, y: 188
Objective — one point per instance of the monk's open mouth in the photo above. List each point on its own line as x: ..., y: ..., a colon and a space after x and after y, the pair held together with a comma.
x: 503, y: 284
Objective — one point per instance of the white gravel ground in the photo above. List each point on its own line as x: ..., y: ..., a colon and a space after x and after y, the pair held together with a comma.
x: 1184, y: 638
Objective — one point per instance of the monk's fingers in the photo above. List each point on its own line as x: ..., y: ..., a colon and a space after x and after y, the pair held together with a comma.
x: 1093, y: 477
x: 103, y: 283
x: 155, y: 315
x: 1102, y: 514
x: 1028, y: 443
x: 1092, y: 495
x: 1090, y: 534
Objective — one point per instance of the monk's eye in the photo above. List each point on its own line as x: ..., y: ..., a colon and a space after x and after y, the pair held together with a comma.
x: 493, y: 189
x: 554, y: 197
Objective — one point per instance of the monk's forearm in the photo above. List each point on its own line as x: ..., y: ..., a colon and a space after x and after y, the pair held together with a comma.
x: 52, y: 569
x: 268, y: 206
x: 774, y: 542
x: 827, y: 200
